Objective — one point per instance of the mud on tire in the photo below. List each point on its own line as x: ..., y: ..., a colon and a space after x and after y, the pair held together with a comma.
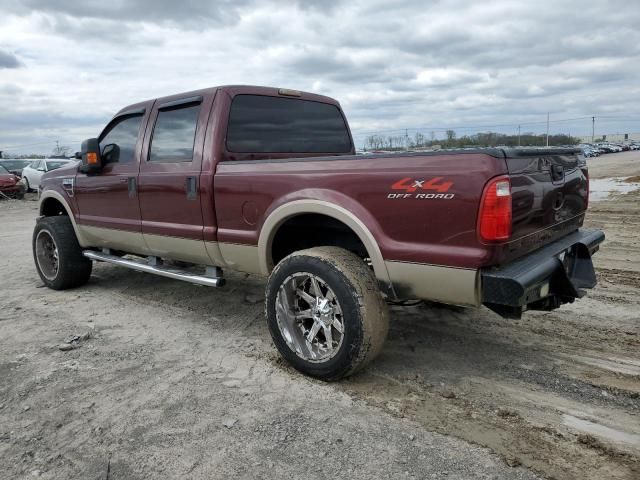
x: 57, y: 254
x: 344, y: 284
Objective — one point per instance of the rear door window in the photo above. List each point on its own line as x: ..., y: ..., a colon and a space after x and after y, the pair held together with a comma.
x: 174, y: 134
x: 262, y: 124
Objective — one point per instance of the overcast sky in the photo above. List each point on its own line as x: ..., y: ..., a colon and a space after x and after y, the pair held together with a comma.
x: 67, y: 66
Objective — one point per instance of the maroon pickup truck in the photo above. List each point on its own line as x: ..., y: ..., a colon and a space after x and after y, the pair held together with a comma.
x: 266, y: 181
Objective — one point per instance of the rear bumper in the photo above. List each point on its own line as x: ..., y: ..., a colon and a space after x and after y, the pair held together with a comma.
x: 545, y: 279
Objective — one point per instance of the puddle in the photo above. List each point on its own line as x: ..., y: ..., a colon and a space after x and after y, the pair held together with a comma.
x: 601, y: 188
x: 601, y: 431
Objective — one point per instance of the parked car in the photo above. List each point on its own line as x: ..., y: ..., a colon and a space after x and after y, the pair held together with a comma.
x: 609, y: 148
x: 33, y: 172
x: 589, y: 151
x: 10, y: 184
x: 266, y: 181
x: 15, y: 166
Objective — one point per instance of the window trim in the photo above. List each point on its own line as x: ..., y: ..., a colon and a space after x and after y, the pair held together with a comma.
x: 337, y: 107
x: 178, y: 103
x: 170, y: 106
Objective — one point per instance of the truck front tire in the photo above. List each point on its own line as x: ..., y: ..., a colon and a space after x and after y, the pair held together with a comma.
x: 325, y: 312
x: 57, y: 254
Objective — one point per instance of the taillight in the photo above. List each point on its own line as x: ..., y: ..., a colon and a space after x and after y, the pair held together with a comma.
x: 494, y: 221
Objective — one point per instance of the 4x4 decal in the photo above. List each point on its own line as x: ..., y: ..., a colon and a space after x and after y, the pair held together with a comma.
x: 411, y: 185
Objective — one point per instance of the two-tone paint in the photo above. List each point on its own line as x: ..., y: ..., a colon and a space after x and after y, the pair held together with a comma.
x: 422, y: 243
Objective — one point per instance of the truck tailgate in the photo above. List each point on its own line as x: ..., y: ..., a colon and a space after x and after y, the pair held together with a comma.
x: 549, y: 196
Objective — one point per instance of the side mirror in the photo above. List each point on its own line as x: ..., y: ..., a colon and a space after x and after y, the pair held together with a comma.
x: 91, y: 160
x: 110, y: 153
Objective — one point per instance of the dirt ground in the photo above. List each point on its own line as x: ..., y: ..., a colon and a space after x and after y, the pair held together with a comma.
x: 177, y: 380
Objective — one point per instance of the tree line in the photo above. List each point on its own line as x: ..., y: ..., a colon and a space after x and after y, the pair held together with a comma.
x: 451, y: 140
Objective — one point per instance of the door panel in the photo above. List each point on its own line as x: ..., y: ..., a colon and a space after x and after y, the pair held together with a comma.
x: 169, y: 181
x: 109, y: 200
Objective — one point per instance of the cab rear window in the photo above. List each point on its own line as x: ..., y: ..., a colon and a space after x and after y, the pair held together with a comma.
x: 262, y: 124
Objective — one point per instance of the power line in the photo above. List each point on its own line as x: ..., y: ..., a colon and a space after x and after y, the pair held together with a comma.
x: 399, y: 131
x: 467, y: 127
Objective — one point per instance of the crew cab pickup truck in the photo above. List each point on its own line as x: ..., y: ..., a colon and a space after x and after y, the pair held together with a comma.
x: 266, y: 181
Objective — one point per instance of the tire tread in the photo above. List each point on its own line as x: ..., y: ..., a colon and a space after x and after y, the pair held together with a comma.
x: 74, y: 268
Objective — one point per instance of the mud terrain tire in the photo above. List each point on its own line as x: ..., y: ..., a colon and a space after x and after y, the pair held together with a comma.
x: 58, y: 255
x: 353, y: 287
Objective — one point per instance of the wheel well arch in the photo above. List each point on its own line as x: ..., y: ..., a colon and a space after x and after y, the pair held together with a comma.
x: 53, y: 203
x: 350, y: 231
x: 51, y: 206
x: 306, y: 230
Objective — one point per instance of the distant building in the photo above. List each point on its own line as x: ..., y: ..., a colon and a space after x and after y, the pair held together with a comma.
x: 613, y: 137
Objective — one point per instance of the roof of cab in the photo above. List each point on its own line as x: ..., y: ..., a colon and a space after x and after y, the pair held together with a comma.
x: 231, y: 90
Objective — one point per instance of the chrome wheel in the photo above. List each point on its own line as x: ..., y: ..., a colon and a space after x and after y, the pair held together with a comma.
x: 47, y: 255
x: 309, y: 317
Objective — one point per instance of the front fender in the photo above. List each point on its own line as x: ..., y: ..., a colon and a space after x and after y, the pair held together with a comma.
x: 64, y: 201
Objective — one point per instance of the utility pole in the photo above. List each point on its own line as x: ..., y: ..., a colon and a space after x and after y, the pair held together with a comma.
x: 406, y: 139
x: 593, y: 129
x: 547, y: 129
x: 518, y: 135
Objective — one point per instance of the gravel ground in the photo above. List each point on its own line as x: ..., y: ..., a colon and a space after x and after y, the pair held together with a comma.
x: 174, y: 380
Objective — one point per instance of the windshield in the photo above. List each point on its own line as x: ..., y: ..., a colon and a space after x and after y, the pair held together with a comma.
x: 3, y: 171
x: 52, y: 165
x: 15, y: 164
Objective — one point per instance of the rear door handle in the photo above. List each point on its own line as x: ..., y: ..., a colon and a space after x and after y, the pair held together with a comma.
x: 132, y: 187
x: 191, y: 186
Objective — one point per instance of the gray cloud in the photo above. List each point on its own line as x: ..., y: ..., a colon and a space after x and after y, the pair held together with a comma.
x: 9, y: 60
x: 191, y: 12
x: 392, y: 65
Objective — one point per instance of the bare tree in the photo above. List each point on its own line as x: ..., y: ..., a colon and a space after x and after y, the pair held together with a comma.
x: 451, y: 135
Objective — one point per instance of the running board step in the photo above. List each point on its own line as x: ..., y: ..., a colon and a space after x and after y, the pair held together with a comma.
x: 158, y: 269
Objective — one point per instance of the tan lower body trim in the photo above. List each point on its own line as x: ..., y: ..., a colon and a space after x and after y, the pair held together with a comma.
x: 184, y: 249
x: 111, y: 238
x: 244, y: 258
x: 456, y: 286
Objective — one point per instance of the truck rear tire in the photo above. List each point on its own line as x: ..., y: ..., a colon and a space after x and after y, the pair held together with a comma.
x: 325, y: 312
x: 57, y: 254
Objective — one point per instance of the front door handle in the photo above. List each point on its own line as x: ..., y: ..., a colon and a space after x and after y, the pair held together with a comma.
x: 191, y: 186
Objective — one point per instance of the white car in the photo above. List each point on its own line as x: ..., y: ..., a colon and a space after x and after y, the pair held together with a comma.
x: 32, y: 173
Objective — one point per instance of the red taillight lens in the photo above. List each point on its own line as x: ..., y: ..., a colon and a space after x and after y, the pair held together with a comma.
x: 495, y: 210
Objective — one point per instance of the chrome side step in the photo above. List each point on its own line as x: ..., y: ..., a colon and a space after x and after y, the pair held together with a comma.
x: 155, y: 266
